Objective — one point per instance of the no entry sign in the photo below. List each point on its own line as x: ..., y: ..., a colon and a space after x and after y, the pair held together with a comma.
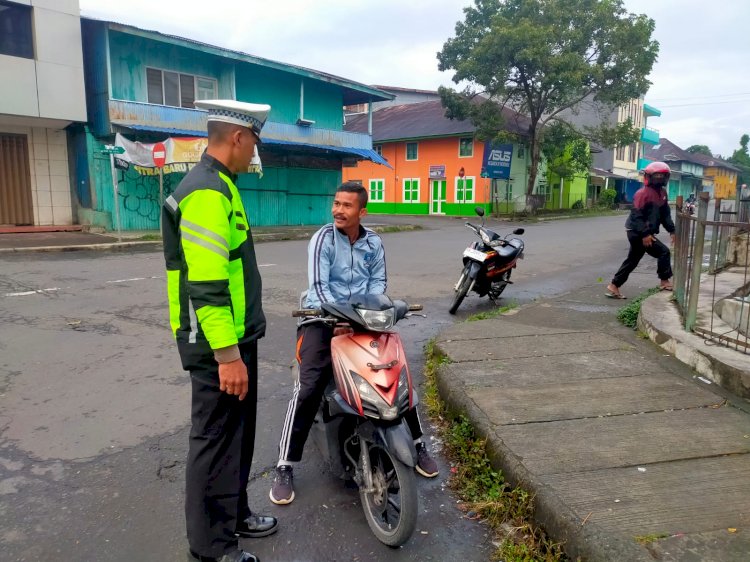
x: 160, y: 155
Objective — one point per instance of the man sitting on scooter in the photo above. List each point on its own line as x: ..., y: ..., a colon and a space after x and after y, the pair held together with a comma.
x: 345, y: 259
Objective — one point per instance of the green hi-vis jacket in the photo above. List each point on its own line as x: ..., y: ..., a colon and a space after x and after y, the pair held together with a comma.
x: 213, y: 281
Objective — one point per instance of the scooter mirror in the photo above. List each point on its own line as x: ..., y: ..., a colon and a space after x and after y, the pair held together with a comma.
x: 479, y: 211
x: 518, y: 231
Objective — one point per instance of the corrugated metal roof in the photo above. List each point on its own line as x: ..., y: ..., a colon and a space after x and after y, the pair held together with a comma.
x: 668, y: 151
x: 425, y: 119
x: 363, y: 153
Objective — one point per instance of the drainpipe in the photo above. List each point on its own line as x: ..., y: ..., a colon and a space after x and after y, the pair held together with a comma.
x: 562, y: 186
x: 369, y: 118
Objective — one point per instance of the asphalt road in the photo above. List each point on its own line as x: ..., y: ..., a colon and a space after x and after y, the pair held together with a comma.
x: 94, y: 405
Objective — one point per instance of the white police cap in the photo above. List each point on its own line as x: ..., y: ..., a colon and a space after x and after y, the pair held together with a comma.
x: 251, y: 115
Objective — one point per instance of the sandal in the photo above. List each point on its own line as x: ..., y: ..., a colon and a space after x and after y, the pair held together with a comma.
x: 665, y: 287
x: 612, y: 295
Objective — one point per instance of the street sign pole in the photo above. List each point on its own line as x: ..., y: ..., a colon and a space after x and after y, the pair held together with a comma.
x: 115, y: 191
x: 161, y: 194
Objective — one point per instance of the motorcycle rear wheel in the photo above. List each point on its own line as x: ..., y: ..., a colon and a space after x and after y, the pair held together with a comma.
x: 391, y: 509
x: 463, y: 288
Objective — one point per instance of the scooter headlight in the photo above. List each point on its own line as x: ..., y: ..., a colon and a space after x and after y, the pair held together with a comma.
x: 377, y: 320
x: 373, y: 404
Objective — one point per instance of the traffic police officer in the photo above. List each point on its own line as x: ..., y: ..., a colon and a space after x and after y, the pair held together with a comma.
x: 216, y: 316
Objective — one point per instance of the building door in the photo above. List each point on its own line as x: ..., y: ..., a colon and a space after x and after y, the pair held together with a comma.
x: 15, y: 182
x: 437, y: 197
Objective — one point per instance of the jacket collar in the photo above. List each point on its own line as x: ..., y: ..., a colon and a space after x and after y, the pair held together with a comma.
x: 214, y: 164
x: 362, y: 233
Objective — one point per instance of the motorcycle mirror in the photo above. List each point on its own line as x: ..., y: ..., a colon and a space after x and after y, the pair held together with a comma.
x: 518, y: 231
x: 479, y: 210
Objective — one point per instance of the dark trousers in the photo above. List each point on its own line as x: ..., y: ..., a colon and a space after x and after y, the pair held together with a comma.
x: 657, y: 250
x: 315, y: 371
x: 220, y: 452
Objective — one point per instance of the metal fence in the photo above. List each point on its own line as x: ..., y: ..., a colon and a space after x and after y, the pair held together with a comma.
x: 712, y: 271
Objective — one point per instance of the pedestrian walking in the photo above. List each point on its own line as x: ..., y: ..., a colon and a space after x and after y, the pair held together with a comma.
x: 650, y: 210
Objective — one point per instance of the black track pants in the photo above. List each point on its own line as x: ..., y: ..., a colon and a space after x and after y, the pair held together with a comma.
x: 657, y: 250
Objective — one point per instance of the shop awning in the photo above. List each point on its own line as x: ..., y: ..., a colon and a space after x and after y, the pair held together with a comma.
x: 361, y: 153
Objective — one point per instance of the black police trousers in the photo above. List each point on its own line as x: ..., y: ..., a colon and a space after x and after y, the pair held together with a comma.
x: 315, y: 370
x: 220, y: 452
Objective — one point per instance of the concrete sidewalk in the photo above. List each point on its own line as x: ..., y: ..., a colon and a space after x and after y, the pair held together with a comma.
x: 620, y: 443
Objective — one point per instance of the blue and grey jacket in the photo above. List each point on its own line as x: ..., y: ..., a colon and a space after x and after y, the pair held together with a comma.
x: 338, y: 270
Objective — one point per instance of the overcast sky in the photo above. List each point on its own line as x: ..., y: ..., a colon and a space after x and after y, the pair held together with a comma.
x: 701, y: 81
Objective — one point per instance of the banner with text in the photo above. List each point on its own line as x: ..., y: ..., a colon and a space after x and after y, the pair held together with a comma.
x: 496, y: 161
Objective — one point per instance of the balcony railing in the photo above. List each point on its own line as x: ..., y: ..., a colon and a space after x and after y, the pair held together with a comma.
x: 649, y: 135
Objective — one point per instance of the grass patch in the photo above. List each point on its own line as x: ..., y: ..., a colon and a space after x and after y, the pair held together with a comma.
x: 628, y: 314
x: 648, y: 539
x: 483, y: 491
x: 494, y: 313
x: 149, y: 237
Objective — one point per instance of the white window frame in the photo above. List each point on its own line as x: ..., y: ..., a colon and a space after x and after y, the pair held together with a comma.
x: 382, y: 193
x: 378, y: 148
x: 406, y: 152
x: 472, y: 147
x: 196, y: 89
x: 473, y: 189
x: 403, y: 190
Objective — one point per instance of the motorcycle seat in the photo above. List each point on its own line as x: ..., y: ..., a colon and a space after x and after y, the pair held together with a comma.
x: 510, y: 250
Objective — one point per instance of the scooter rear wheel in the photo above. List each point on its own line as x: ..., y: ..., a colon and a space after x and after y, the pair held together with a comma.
x: 463, y: 288
x: 391, y: 509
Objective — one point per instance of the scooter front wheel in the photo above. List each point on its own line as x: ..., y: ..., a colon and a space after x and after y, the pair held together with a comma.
x: 391, y: 508
x: 463, y: 287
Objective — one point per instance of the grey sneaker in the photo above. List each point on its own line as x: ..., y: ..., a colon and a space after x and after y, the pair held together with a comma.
x: 282, y: 491
x: 426, y: 465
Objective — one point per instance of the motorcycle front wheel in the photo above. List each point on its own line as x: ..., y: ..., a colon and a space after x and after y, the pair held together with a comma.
x: 391, y: 508
x: 463, y: 287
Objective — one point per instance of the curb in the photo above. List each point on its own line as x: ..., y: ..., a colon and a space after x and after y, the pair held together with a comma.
x: 257, y: 238
x: 689, y: 348
x: 579, y: 540
x: 111, y: 246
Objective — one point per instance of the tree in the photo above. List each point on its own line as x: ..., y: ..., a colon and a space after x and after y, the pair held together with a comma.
x: 542, y: 57
x: 741, y: 159
x: 700, y: 149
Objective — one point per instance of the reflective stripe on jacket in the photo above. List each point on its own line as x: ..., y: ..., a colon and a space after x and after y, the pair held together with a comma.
x: 213, y: 282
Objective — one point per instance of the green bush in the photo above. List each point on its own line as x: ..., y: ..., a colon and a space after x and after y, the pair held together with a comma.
x: 628, y: 314
x: 607, y: 198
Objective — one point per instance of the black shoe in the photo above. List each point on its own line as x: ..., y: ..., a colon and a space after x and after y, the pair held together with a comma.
x: 282, y: 491
x: 256, y: 526
x: 237, y: 556
x: 426, y: 465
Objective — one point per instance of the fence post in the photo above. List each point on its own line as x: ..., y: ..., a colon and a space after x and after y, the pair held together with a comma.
x: 715, y: 234
x: 679, y: 258
x: 695, y: 274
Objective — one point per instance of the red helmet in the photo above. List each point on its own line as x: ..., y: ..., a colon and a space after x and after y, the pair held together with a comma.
x: 656, y: 174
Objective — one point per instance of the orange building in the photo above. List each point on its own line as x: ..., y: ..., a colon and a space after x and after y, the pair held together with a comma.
x: 436, y: 163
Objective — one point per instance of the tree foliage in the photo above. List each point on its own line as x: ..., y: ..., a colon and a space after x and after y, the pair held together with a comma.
x: 542, y: 57
x: 741, y: 159
x: 700, y: 149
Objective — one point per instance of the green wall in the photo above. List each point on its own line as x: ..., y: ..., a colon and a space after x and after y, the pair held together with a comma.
x: 130, y: 55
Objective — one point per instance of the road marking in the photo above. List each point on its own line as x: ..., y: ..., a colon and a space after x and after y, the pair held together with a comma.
x: 266, y: 265
x: 126, y: 280
x: 27, y: 293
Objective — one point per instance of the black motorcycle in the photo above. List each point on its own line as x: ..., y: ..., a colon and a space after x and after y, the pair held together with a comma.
x: 487, y: 263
